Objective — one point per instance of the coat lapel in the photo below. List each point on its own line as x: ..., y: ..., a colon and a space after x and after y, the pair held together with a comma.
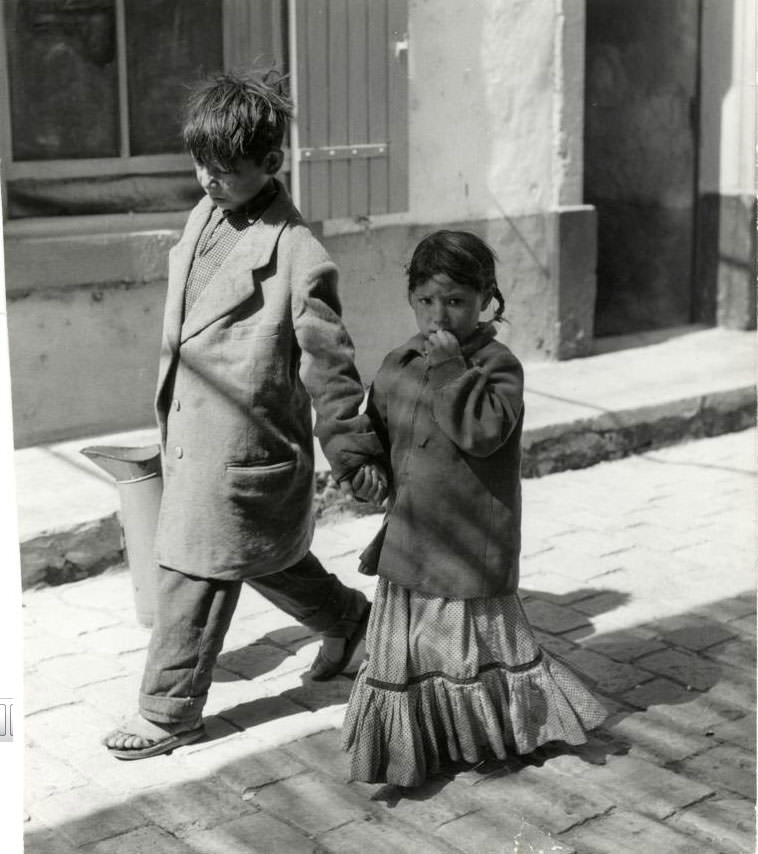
x: 180, y: 261
x: 233, y: 282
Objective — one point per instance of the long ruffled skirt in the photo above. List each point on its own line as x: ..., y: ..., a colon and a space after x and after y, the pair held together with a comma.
x: 453, y: 679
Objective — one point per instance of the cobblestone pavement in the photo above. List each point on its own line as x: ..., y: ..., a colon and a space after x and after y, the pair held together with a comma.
x: 641, y: 572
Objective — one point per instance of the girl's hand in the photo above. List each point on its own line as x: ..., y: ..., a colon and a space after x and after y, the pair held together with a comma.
x: 368, y: 484
x: 441, y: 345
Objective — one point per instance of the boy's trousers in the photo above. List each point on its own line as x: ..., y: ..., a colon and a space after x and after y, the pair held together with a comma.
x: 193, y: 615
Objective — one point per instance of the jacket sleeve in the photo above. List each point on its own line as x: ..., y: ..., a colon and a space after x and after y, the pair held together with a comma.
x: 477, y: 406
x: 376, y: 409
x: 328, y: 372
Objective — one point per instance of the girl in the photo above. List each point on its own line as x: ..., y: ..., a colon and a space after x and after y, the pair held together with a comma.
x: 452, y: 666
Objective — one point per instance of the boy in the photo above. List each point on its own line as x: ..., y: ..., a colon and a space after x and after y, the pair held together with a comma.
x: 252, y: 333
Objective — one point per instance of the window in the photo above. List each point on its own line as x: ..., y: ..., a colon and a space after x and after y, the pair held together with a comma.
x: 95, y: 89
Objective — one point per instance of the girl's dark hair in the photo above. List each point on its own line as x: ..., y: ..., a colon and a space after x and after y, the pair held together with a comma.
x: 235, y: 115
x: 462, y: 256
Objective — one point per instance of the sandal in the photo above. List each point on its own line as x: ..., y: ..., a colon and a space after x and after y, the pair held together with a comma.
x: 155, y: 746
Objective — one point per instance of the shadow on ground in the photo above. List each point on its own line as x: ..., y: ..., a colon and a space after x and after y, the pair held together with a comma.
x: 669, y: 684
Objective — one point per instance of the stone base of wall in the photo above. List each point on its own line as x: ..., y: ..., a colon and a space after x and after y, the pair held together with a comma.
x: 85, y: 307
x: 725, y: 292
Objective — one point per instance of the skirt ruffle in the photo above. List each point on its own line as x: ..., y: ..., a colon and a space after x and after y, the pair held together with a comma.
x: 454, y: 680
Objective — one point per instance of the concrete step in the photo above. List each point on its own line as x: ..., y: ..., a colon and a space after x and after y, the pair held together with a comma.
x: 658, y: 389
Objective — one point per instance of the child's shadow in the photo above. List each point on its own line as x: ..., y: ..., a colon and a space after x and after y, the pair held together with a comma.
x: 262, y: 655
x: 265, y: 655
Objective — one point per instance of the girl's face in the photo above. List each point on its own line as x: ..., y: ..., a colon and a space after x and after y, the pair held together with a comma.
x: 441, y: 303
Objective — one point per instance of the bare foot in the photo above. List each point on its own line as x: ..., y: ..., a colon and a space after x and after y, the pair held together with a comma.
x: 139, y: 733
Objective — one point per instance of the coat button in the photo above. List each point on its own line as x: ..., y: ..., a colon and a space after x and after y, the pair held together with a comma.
x: 179, y: 451
x: 177, y: 405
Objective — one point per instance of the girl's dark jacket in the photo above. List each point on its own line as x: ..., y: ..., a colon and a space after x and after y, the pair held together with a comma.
x: 453, y: 432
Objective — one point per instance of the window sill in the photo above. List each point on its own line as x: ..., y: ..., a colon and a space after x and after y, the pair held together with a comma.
x: 77, y: 226
x: 54, y: 253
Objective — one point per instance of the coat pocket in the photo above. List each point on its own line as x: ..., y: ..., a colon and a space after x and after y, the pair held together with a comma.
x: 256, y: 329
x: 272, y: 482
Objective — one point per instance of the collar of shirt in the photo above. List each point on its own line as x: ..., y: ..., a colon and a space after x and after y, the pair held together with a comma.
x: 246, y: 215
x: 482, y: 335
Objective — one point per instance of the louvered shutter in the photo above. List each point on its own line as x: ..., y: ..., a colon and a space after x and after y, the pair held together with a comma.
x: 350, y: 145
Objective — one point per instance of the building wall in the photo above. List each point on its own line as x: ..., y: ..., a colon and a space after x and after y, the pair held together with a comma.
x: 727, y: 175
x: 496, y: 123
x: 85, y: 298
x: 481, y: 109
x: 495, y: 112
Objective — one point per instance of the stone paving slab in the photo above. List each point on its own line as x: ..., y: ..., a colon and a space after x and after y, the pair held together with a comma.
x: 624, y: 832
x: 192, y: 807
x: 245, y: 778
x: 635, y: 784
x: 144, y: 840
x: 656, y: 741
x: 724, y: 823
x: 472, y: 834
x: 670, y: 642
x: 543, y: 797
x: 72, y: 811
x: 726, y: 766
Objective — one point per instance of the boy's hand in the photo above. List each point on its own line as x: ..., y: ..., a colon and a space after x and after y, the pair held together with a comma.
x: 441, y: 345
x: 368, y: 484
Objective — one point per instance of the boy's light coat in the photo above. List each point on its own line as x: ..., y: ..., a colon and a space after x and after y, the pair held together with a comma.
x: 233, y: 403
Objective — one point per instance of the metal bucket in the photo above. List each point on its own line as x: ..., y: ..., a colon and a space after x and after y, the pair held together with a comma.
x: 137, y: 472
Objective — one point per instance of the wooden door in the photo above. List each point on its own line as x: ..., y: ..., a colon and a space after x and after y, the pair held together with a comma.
x: 350, y: 145
x: 640, y: 159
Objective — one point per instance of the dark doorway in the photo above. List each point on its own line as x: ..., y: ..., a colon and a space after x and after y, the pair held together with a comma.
x: 640, y: 159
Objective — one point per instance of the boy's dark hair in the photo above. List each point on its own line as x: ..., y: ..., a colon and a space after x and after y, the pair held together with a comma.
x: 462, y: 256
x: 233, y: 115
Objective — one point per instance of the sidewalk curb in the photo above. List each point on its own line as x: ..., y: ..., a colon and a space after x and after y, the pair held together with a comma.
x: 71, y: 554
x: 613, y: 435
x: 86, y: 549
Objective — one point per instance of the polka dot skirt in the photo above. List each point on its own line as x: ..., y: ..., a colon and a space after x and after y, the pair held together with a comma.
x: 455, y: 679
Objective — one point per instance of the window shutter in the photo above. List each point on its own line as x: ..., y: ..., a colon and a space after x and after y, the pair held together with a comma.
x: 253, y: 33
x: 350, y: 138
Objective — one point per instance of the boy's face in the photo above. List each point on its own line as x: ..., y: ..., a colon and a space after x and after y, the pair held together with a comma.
x: 230, y: 190
x: 441, y: 303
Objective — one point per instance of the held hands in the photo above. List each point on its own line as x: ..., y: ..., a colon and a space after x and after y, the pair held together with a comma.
x: 441, y: 345
x: 368, y: 484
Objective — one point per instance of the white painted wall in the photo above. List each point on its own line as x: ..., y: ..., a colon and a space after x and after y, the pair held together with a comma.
x: 495, y: 109
x: 728, y: 112
x: 568, y: 104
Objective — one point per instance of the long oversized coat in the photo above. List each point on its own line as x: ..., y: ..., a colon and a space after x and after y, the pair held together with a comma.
x: 236, y: 381
x: 454, y: 434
